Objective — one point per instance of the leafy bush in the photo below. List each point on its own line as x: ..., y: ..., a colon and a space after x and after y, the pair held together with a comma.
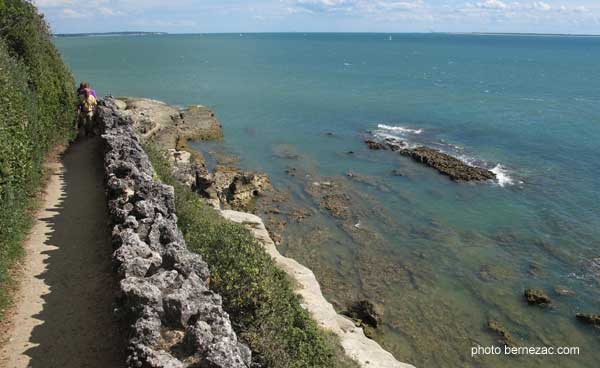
x: 258, y: 295
x: 37, y: 107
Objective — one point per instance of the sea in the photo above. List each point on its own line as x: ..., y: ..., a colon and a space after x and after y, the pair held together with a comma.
x: 446, y: 260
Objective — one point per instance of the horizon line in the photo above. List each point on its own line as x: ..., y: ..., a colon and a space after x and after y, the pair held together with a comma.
x: 326, y: 32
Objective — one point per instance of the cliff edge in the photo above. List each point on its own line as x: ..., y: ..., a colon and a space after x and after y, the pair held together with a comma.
x: 356, y: 345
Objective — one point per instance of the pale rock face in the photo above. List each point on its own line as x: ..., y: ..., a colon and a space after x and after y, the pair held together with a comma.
x: 120, y: 104
x: 166, y: 125
x: 183, y: 168
x: 236, y: 188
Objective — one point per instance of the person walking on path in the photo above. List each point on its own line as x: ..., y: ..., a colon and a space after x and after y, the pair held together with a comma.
x: 87, y: 108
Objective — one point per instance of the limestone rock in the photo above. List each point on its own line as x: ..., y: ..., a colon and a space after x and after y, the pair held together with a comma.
x: 445, y: 164
x: 164, y: 287
x: 167, y: 125
x: 537, y: 297
x: 235, y: 188
x: 448, y: 165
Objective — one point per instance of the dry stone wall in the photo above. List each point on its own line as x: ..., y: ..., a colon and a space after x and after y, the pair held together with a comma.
x: 175, y: 321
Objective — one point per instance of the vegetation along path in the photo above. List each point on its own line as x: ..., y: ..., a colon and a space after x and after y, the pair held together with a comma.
x: 63, y: 315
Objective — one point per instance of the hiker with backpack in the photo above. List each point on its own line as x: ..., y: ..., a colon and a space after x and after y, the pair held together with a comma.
x: 86, y: 110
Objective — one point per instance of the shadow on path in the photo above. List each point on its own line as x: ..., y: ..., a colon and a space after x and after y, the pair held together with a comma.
x: 78, y: 328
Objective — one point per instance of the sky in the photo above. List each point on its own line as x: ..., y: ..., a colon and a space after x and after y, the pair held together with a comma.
x: 215, y: 16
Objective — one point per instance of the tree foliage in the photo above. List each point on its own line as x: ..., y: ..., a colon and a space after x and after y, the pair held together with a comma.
x: 37, y: 107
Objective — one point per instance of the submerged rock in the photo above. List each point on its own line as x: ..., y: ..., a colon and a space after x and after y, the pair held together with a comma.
x: 367, y: 312
x: 504, y: 336
x: 534, y: 270
x: 338, y: 204
x: 590, y: 319
x: 374, y: 145
x: 286, y: 152
x: 563, y: 291
x: 537, y: 297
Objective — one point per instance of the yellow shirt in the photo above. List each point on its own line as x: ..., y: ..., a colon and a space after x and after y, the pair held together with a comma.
x: 88, y: 104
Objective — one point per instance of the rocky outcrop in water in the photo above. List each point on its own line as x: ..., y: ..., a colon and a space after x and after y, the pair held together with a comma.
x: 445, y: 164
x: 536, y: 297
x: 504, y: 336
x: 448, y: 165
x: 367, y: 312
x: 590, y: 319
x: 175, y: 320
x: 374, y: 145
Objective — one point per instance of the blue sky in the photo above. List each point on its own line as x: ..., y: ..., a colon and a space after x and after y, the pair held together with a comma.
x: 187, y: 16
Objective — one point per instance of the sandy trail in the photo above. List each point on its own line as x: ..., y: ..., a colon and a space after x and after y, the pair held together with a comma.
x: 63, y: 315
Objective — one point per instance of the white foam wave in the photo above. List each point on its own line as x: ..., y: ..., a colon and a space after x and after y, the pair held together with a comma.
x: 502, y: 175
x: 399, y: 129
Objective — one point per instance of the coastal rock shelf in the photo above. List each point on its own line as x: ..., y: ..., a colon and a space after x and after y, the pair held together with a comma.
x: 356, y: 344
x: 171, y: 128
x: 175, y: 320
x: 445, y: 164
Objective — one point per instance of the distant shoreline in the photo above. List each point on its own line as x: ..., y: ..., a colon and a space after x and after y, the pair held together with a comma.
x: 517, y: 34
x: 100, y: 34
x: 521, y: 34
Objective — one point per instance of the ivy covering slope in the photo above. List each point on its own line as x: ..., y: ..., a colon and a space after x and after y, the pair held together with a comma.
x: 37, y: 101
x: 258, y: 296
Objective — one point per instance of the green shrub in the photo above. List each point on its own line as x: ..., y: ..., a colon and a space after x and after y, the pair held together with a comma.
x: 37, y: 104
x: 258, y: 296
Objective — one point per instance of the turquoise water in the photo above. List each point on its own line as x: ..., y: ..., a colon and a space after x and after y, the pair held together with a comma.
x: 442, y: 257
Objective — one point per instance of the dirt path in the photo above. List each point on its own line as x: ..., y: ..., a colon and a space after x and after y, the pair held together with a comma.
x: 63, y: 316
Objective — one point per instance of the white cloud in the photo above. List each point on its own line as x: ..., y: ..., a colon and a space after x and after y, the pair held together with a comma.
x: 347, y: 15
x: 540, y: 5
x: 492, y: 4
x: 52, y: 3
x: 356, y: 6
x: 514, y: 7
x: 70, y: 13
x: 109, y: 12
